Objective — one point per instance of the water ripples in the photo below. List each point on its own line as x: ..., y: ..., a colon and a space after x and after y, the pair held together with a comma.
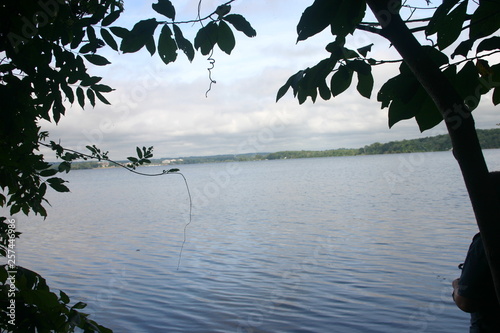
x: 279, y: 249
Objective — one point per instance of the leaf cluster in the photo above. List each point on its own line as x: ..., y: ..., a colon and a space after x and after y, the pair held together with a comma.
x: 403, y: 95
x: 171, y: 38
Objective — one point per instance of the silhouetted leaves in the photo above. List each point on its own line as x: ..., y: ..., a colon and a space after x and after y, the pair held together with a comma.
x: 136, y: 39
x: 316, y: 18
x: 489, y: 44
x: 113, y: 16
x: 167, y: 48
x: 485, y: 20
x: 225, y: 38
x: 206, y: 38
x: 365, y: 49
x: 341, y: 16
x: 183, y: 44
x: 240, y: 24
x: 108, y: 38
x: 447, y: 25
x: 341, y: 80
x: 97, y: 59
x: 165, y: 8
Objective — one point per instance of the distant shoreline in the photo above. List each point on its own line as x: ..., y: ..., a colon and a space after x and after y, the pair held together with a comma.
x: 489, y: 139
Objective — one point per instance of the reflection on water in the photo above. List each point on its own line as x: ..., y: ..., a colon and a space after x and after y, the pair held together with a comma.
x: 346, y: 244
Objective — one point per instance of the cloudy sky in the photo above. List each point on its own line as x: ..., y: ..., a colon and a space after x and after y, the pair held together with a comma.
x: 167, y: 106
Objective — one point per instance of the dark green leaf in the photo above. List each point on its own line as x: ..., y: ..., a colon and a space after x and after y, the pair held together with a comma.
x: 400, y: 111
x: 463, y: 48
x: 341, y: 80
x: 466, y: 81
x: 183, y: 44
x: 282, y: 91
x: 167, y: 48
x: 324, y: 91
x: 139, y: 152
x: 102, y: 88
x: 113, y: 16
x: 438, y: 20
x: 206, y: 38
x: 64, y: 167
x: 97, y: 59
x: 365, y: 77
x: 90, y: 80
x: 87, y: 48
x: 225, y: 38
x: 79, y: 305
x: 429, y: 115
x: 57, y: 184
x: 81, y: 97
x: 91, y: 35
x: 240, y: 24
x: 349, y: 54
x: 316, y: 18
x: 91, y: 97
x: 132, y: 159
x: 108, y: 38
x: 102, y: 98
x: 77, y: 38
x: 150, y: 45
x: 165, y: 8
x: 365, y: 84
x: 452, y: 26
x: 496, y: 96
x: 57, y: 110
x: 64, y: 297
x: 68, y: 92
x: 365, y: 49
x: 222, y: 10
x: 360, y: 66
x: 485, y: 20
x: 138, y: 36
x: 48, y: 172
x: 489, y: 44
x: 14, y: 209
x: 438, y: 57
x: 120, y: 32
x: 346, y: 17
x: 400, y: 95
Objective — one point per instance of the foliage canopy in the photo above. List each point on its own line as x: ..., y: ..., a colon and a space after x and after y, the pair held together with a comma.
x: 46, y: 47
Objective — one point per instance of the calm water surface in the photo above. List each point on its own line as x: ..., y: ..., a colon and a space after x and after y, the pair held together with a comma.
x: 345, y: 244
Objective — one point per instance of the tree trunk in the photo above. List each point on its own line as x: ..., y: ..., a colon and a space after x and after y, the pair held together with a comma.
x: 460, y: 124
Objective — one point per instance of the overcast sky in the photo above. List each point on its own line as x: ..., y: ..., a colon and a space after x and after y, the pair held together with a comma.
x: 166, y: 107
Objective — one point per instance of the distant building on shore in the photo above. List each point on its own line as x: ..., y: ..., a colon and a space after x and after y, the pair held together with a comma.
x: 172, y: 161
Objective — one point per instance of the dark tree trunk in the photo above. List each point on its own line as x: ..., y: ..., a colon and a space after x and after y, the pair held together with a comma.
x: 460, y: 125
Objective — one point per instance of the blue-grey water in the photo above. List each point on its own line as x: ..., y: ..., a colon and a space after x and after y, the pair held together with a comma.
x: 343, y: 244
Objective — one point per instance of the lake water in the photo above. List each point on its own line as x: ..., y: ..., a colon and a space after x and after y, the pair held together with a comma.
x: 343, y: 244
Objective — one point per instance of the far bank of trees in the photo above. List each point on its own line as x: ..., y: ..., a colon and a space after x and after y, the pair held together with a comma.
x: 490, y: 139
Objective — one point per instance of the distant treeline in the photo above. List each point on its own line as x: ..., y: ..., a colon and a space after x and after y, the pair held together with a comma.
x: 489, y: 139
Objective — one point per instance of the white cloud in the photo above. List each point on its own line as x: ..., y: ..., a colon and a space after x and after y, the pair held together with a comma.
x: 166, y: 107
